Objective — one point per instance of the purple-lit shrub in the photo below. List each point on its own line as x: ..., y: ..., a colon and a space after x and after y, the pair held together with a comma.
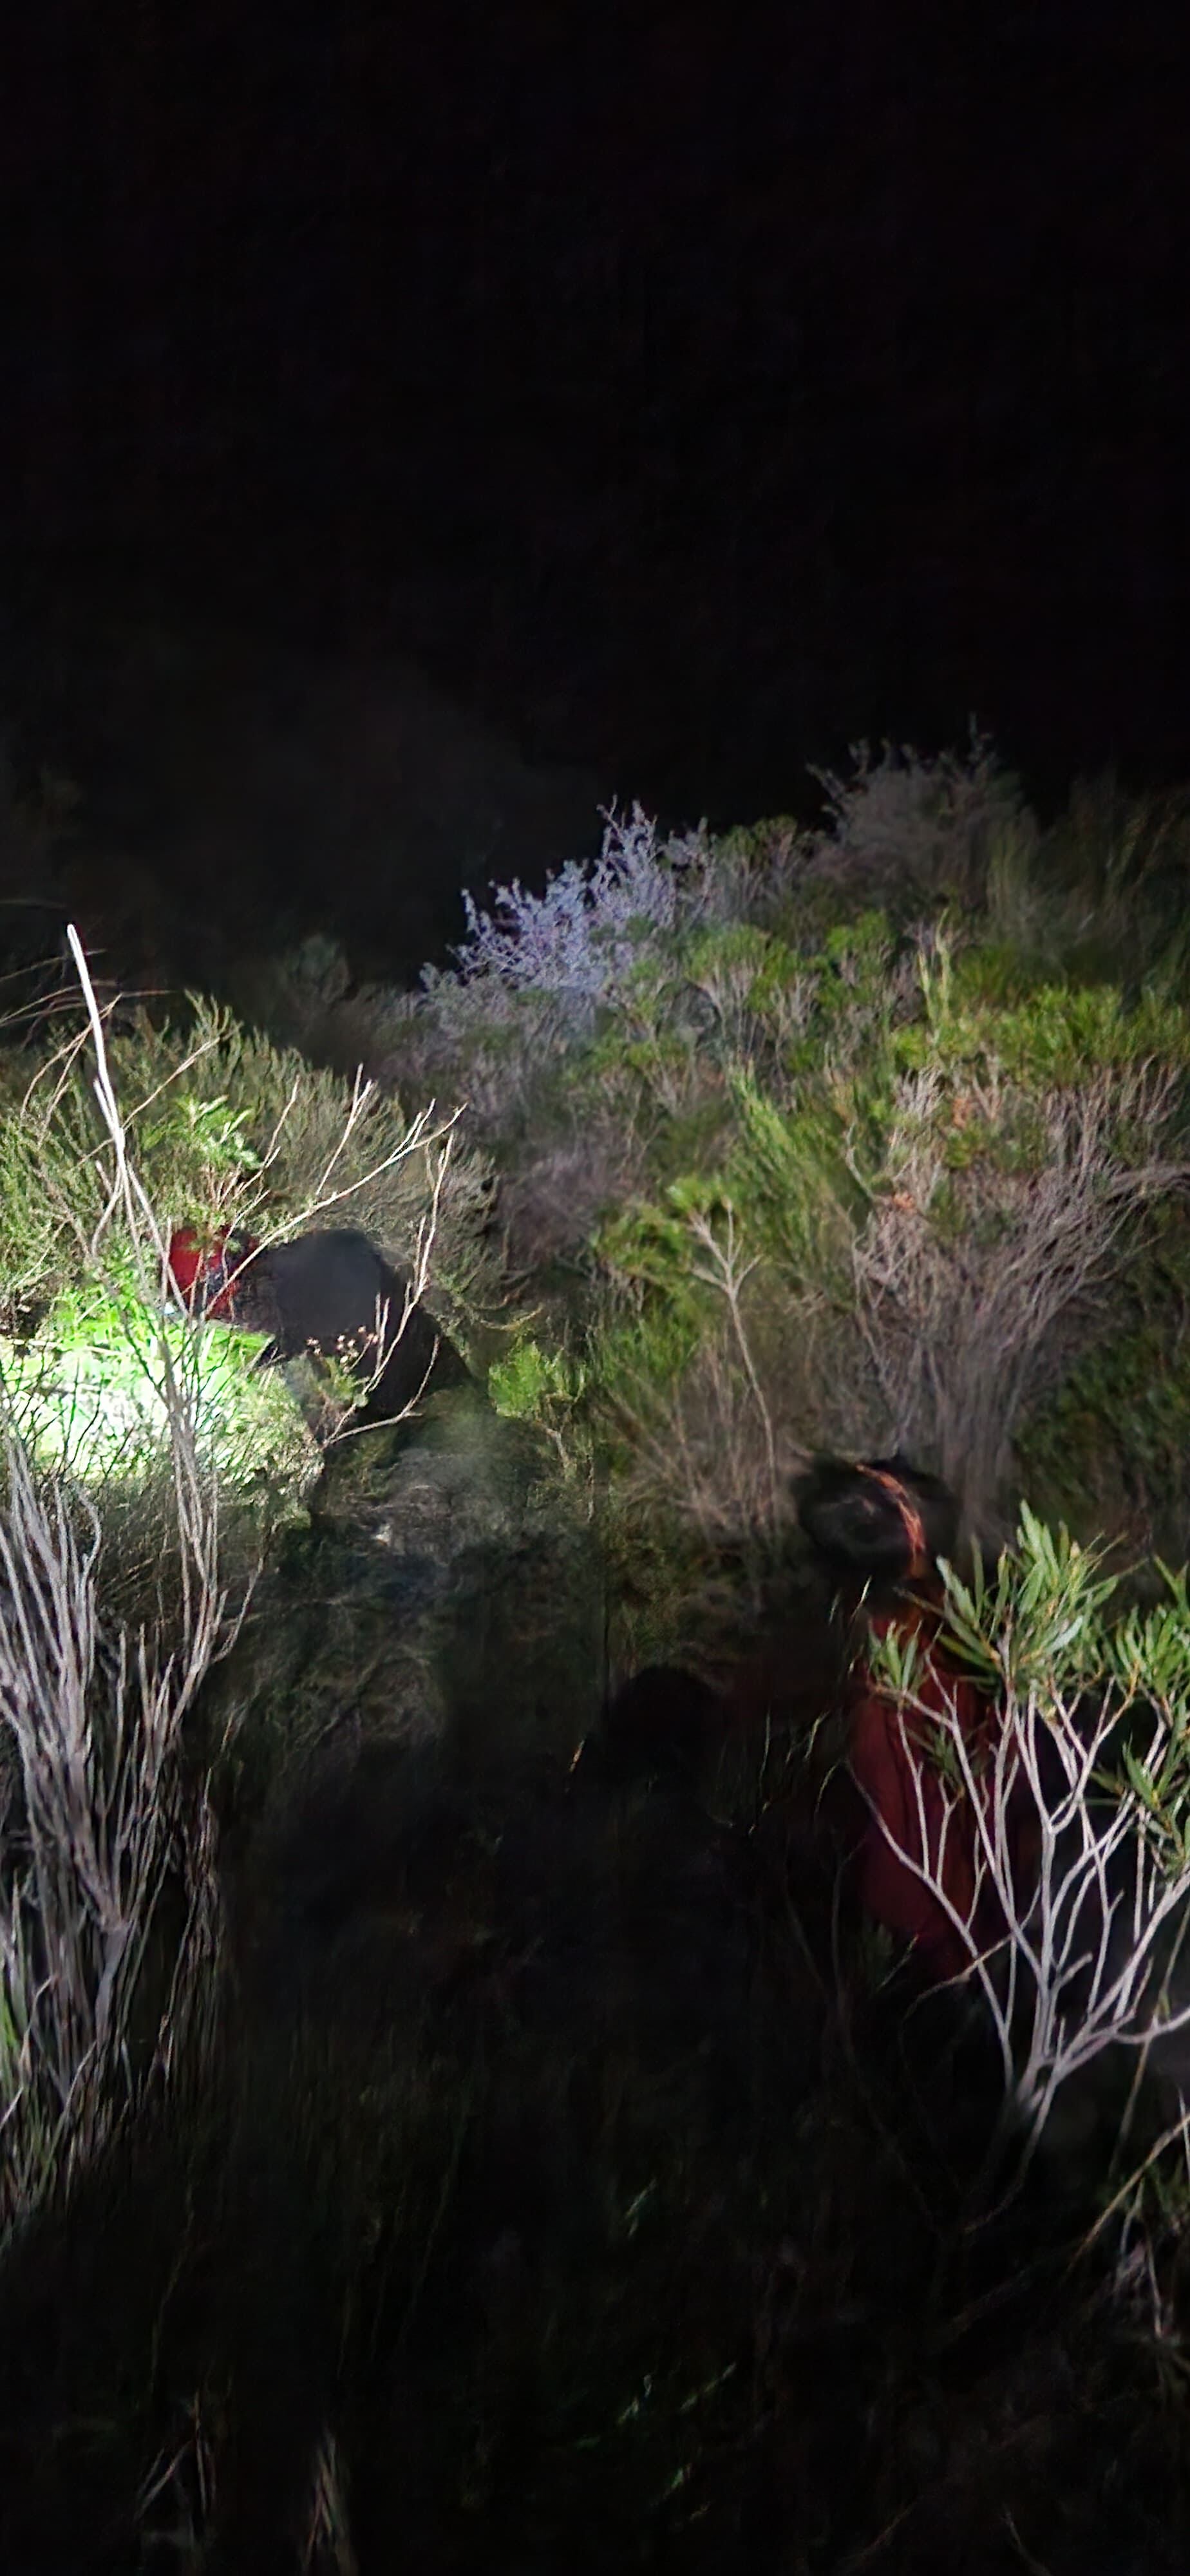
x: 586, y: 933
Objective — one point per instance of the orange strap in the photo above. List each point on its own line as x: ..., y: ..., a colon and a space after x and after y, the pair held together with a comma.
x: 911, y: 1519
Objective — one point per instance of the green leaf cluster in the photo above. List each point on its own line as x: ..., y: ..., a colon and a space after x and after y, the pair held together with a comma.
x: 223, y: 1128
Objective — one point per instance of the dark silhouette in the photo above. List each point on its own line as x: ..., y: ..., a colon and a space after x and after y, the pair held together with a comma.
x: 883, y: 1522
x: 662, y: 1724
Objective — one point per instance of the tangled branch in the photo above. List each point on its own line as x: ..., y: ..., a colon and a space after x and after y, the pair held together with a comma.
x: 955, y: 1316
x: 1083, y: 1875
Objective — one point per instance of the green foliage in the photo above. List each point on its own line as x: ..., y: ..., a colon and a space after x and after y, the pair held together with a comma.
x: 531, y: 1379
x: 221, y: 1128
x: 859, y: 954
x: 650, y: 1247
x: 1037, y: 1625
x: 224, y: 1128
x: 1111, y: 1437
x: 733, y: 955
x: 819, y: 1125
x: 204, y: 1129
x: 247, y: 1125
x: 791, y: 1180
x: 641, y: 1348
x: 88, y: 1395
x: 1052, y: 1034
x: 903, y: 1124
x: 759, y: 848
x: 549, y: 1389
x: 1120, y: 1394
x: 852, y: 1036
x: 1041, y: 1632
x: 1111, y: 880
x: 997, y: 974
x: 906, y: 839
x: 745, y: 978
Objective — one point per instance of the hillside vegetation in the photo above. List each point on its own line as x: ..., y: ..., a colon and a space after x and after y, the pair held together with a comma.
x: 412, y: 2148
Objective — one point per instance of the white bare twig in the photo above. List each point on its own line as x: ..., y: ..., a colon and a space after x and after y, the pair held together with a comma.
x: 955, y: 1317
x: 1092, y: 1929
x: 724, y: 1268
x: 96, y: 1718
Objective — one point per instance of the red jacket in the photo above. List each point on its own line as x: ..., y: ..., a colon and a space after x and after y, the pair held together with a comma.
x: 201, y: 1276
x: 890, y: 1758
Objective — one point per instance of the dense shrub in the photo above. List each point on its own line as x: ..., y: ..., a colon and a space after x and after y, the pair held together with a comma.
x: 227, y: 1128
x: 833, y: 1135
x: 915, y: 1191
x: 563, y: 2137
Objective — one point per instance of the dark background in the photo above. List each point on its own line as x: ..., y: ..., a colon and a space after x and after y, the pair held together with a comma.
x: 686, y: 390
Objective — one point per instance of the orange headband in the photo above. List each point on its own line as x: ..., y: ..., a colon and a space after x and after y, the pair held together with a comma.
x: 910, y: 1517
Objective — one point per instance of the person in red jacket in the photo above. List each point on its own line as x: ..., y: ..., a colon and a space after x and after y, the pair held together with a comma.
x: 881, y: 1528
x: 205, y: 1272
x: 328, y: 1292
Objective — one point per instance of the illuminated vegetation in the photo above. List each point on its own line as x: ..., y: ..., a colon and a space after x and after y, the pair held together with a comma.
x: 385, y: 2073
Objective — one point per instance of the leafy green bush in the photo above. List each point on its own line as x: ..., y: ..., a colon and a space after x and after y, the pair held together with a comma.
x: 893, y: 1054
x: 923, y: 1183
x: 218, y: 1128
x: 1107, y: 1447
x: 1091, y: 1771
x: 227, y: 1128
x: 87, y: 1399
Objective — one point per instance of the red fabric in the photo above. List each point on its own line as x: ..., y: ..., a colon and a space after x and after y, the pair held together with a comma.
x: 887, y: 1764
x: 201, y: 1271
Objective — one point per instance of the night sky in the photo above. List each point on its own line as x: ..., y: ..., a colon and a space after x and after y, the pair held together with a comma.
x: 690, y: 390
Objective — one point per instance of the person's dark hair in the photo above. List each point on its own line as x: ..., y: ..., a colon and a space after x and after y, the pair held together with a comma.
x: 882, y: 1520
